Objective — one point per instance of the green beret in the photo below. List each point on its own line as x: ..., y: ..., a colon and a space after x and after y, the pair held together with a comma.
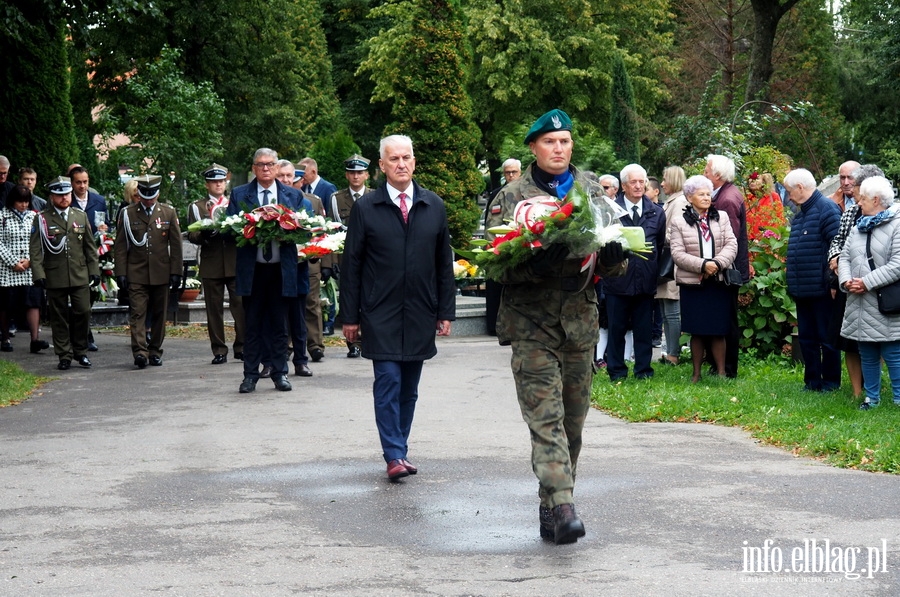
x: 554, y: 120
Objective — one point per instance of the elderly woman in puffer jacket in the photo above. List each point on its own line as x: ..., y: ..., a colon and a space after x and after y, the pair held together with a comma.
x: 876, y: 234
x: 703, y: 247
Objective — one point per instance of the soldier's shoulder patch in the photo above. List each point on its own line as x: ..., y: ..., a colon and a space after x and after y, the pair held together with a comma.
x: 495, y: 209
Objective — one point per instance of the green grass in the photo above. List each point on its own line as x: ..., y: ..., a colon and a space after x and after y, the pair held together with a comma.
x: 15, y: 384
x: 767, y: 399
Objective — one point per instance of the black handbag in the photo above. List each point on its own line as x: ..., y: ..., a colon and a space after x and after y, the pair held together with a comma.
x: 732, y: 277
x: 666, y: 271
x: 888, y: 296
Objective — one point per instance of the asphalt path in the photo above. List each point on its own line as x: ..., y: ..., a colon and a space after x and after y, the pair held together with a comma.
x: 167, y: 481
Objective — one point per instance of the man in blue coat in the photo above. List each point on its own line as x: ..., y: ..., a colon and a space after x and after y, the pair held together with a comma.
x: 816, y: 223
x: 397, y: 288
x: 266, y: 276
x: 629, y: 298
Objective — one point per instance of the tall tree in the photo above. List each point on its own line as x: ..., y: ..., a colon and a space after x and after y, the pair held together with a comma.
x: 419, y: 65
x: 623, y: 122
x: 268, y: 61
x: 37, y: 127
x: 766, y: 14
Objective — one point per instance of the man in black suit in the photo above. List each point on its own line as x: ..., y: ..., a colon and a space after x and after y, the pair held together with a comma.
x: 315, y: 184
x: 266, y: 276
x: 397, y: 288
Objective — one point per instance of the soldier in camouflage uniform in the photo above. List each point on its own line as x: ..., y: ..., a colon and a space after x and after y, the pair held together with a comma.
x: 548, y: 313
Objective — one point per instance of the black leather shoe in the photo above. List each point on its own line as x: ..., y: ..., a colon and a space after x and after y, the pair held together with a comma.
x: 83, y: 361
x: 6, y: 346
x: 266, y: 372
x: 38, y: 345
x: 545, y: 515
x: 302, y: 370
x: 353, y: 353
x: 317, y: 354
x: 328, y: 330
x: 247, y: 386
x: 238, y: 356
x: 64, y: 364
x: 92, y: 347
x: 567, y: 527
x: 140, y: 361
x: 156, y: 360
x: 281, y: 383
x: 219, y: 359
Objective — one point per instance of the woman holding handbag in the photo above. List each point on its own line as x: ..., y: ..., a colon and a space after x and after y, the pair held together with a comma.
x: 703, y: 247
x: 867, y: 269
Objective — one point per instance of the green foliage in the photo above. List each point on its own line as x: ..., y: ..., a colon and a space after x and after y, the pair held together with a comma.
x: 766, y: 159
x: 419, y: 65
x: 767, y: 314
x: 37, y: 128
x: 622, y: 123
x: 330, y: 151
x: 173, y: 126
x: 768, y: 400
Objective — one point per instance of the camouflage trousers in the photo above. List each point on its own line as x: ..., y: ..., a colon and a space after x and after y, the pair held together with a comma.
x: 554, y: 389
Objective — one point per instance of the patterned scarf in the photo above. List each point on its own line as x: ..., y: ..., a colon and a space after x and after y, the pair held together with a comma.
x: 867, y: 223
x: 704, y: 226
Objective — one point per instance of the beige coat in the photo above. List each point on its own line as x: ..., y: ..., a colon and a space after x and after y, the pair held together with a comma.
x: 685, y: 243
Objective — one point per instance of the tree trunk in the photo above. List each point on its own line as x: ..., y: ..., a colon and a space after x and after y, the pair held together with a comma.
x: 767, y: 14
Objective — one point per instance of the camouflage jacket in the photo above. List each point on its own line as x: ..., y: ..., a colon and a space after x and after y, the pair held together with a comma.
x: 560, y: 311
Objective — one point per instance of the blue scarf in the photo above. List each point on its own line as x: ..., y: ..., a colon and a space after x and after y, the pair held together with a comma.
x: 562, y: 183
x: 867, y: 223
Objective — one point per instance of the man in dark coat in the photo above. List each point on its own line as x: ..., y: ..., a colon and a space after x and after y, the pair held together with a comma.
x: 812, y: 230
x: 266, y: 276
x: 397, y: 287
x: 629, y: 298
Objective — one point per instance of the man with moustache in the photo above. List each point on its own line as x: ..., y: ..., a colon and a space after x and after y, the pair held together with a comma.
x: 64, y: 261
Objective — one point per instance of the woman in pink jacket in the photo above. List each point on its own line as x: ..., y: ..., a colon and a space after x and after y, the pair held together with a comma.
x: 703, y: 247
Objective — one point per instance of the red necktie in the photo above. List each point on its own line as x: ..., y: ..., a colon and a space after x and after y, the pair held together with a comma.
x: 403, y: 210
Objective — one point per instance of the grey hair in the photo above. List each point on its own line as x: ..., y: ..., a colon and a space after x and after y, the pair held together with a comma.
x: 721, y: 165
x: 613, y: 181
x: 282, y: 163
x: 800, y: 176
x: 627, y: 170
x: 265, y: 151
x: 865, y: 171
x: 392, y: 140
x: 4, y: 161
x: 513, y: 162
x: 878, y: 187
x: 695, y: 183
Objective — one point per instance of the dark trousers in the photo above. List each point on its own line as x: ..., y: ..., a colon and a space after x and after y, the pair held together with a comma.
x: 214, y: 296
x: 70, y: 330
x: 297, y: 325
x: 821, y: 359
x: 638, y: 310
x: 147, y: 301
x: 396, y: 390
x: 266, y: 336
x: 492, y: 292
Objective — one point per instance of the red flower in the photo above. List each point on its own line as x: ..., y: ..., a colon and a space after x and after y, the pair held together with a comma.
x: 564, y: 211
x: 538, y: 227
x: 506, y: 237
x: 249, y: 231
x: 287, y: 222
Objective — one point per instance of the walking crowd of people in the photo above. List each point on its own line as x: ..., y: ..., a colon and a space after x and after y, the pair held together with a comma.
x: 565, y: 316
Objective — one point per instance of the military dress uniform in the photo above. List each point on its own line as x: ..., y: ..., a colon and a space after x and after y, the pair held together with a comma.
x: 149, y: 255
x: 64, y: 259
x: 341, y: 204
x: 217, y: 260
